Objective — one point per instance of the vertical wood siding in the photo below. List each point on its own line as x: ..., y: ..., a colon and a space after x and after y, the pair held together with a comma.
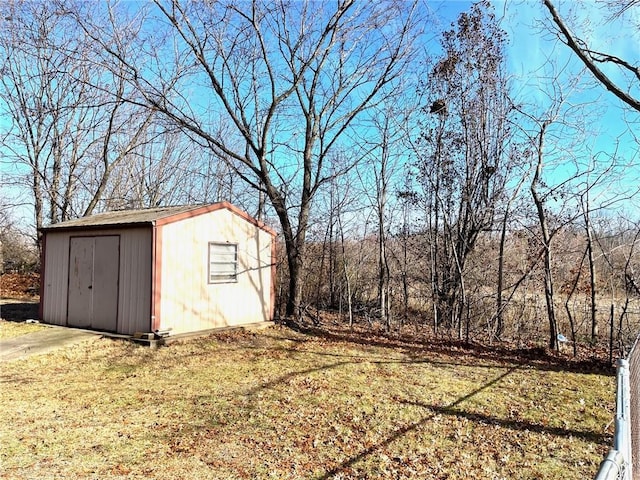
x: 188, y: 302
x: 134, y: 299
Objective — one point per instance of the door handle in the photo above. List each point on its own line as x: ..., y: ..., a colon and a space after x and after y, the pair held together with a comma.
x: 90, y: 287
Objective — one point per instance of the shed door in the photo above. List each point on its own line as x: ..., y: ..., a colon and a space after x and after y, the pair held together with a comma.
x: 94, y: 264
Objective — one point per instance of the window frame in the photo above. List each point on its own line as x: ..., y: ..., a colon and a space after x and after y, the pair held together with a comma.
x: 221, y: 276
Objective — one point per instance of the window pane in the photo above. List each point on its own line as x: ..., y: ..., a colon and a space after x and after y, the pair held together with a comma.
x: 223, y: 262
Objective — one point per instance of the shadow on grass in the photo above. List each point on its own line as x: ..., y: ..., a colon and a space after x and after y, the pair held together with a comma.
x: 283, y: 379
x: 518, y: 425
x: 291, y: 375
x: 468, y: 353
x: 375, y: 359
x: 415, y: 354
x: 409, y: 428
x: 474, y: 417
x: 341, y: 360
x: 19, y: 312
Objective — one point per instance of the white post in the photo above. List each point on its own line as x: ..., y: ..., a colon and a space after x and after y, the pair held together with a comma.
x: 622, y: 438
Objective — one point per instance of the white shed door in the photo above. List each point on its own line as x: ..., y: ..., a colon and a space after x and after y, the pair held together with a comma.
x: 94, y: 264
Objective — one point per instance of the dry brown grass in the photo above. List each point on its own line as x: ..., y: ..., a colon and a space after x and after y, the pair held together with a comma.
x: 15, y: 329
x: 13, y: 314
x: 279, y: 404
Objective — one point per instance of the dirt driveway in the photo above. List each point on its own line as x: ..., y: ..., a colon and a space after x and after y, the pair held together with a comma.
x: 42, y: 342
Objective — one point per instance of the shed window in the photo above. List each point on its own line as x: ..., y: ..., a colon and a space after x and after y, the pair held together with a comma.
x: 223, y: 262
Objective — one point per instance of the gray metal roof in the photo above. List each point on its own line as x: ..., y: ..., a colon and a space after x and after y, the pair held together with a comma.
x: 145, y: 216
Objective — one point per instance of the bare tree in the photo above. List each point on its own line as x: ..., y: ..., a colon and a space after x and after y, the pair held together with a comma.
x: 587, y: 207
x: 463, y: 146
x: 407, y: 200
x: 546, y: 234
x: 17, y: 252
x: 592, y: 59
x: 33, y: 100
x: 383, y: 161
x: 69, y: 126
x: 284, y: 83
x: 516, y: 156
x: 559, y: 200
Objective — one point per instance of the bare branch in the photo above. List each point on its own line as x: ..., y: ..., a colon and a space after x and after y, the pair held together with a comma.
x: 585, y: 56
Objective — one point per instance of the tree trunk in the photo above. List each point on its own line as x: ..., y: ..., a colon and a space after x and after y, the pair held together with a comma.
x: 294, y: 300
x: 405, y: 275
x: 383, y: 265
x: 37, y: 206
x: 294, y: 245
x: 54, y: 189
x: 592, y: 276
x: 499, y: 328
x: 332, y: 251
x: 345, y: 271
x: 546, y: 241
x: 567, y: 308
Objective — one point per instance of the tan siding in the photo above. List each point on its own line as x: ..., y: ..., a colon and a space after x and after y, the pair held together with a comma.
x: 134, y: 277
x: 188, y: 302
x: 134, y: 300
x: 56, y: 277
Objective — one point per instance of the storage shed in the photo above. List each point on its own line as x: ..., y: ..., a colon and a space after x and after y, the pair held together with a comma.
x: 170, y: 269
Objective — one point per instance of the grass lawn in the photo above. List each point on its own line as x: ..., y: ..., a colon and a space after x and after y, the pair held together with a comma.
x: 282, y: 405
x: 13, y: 314
x: 15, y: 329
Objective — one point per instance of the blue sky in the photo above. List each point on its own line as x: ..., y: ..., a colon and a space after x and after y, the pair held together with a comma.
x: 604, y: 126
x: 534, y: 56
x: 531, y: 48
